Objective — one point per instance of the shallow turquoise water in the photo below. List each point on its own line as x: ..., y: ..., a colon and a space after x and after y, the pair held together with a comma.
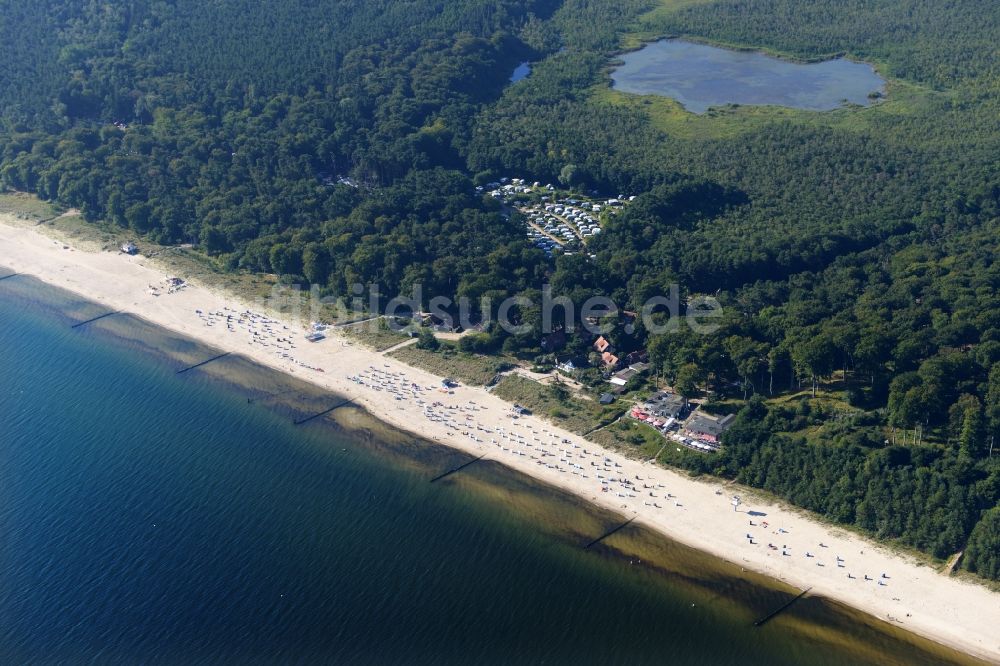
x: 701, y: 76
x: 150, y: 517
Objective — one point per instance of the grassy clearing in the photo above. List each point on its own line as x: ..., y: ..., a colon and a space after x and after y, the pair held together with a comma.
x: 58, y: 223
x: 27, y: 206
x: 375, y: 335
x: 248, y: 287
x: 631, y: 438
x: 669, y: 116
x: 557, y: 404
x: 86, y: 235
x: 466, y: 368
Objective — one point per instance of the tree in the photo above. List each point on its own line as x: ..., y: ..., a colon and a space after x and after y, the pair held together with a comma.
x: 214, y: 241
x: 872, y: 350
x: 910, y: 400
x: 982, y: 552
x: 993, y: 402
x: 748, y: 357
x: 138, y: 217
x: 559, y: 390
x: 814, y: 358
x: 687, y: 380
x: 426, y: 340
x: 777, y: 357
x: 116, y: 208
x: 315, y: 264
x: 570, y: 175
x: 285, y: 259
x: 970, y: 441
x: 539, y: 35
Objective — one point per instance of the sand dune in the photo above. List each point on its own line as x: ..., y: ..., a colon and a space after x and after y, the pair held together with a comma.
x: 699, y: 513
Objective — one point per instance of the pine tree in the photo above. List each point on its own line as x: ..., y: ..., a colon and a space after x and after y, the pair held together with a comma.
x: 971, y: 439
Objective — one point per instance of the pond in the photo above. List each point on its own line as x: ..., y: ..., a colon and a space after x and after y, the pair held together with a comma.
x: 701, y: 76
x: 520, y: 72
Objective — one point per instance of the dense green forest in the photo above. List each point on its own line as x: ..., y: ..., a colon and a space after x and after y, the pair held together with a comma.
x: 339, y: 141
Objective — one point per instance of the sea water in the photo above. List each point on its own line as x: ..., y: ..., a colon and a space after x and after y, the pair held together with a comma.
x: 153, y: 517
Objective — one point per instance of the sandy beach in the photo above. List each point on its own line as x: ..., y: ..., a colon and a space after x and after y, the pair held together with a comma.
x: 760, y: 536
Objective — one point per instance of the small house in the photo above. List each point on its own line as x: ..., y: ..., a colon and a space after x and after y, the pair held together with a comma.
x: 601, y: 345
x: 621, y: 378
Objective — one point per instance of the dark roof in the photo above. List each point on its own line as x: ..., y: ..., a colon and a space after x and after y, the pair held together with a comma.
x: 667, y: 404
x: 607, y: 398
x: 626, y: 374
x: 709, y: 425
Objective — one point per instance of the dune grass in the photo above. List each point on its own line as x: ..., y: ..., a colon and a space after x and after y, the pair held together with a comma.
x: 472, y: 369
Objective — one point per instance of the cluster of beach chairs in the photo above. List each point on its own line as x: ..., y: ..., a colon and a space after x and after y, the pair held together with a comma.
x: 260, y: 330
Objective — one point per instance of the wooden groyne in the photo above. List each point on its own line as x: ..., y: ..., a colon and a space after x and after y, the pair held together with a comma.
x: 268, y: 396
x: 9, y: 276
x: 340, y: 404
x: 205, y: 362
x: 782, y: 608
x: 609, y: 533
x: 456, y: 469
x: 106, y: 314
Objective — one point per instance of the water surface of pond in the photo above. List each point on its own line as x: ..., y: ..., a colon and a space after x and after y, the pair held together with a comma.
x: 700, y: 76
x: 520, y: 72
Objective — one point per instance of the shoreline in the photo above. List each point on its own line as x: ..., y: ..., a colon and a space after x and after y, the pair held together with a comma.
x: 953, y: 612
